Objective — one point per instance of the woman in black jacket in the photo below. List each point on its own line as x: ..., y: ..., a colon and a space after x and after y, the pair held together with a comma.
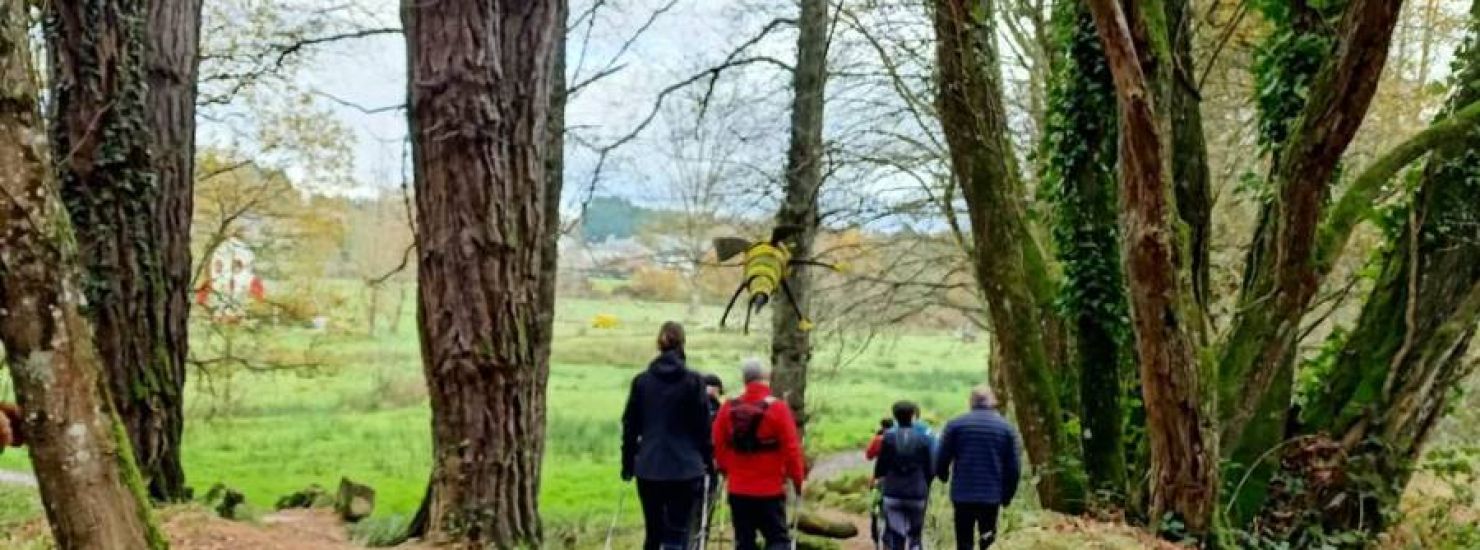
x: 666, y: 442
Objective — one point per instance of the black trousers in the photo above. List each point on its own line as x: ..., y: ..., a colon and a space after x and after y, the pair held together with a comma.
x: 666, y: 509
x: 764, y: 515
x: 975, y: 523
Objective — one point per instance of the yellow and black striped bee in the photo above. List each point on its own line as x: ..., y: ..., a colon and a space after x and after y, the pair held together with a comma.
x: 766, y: 265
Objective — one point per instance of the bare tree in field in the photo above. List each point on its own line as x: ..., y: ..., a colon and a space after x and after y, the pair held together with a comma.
x: 480, y: 95
x: 791, y: 344
x: 102, y: 121
x: 93, y: 494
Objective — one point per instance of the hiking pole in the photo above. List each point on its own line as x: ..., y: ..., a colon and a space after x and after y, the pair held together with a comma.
x: 709, y: 518
x: 796, y: 518
x: 612, y: 529
x: 704, y: 515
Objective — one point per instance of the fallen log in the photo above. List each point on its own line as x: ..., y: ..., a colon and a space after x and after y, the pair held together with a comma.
x: 820, y: 525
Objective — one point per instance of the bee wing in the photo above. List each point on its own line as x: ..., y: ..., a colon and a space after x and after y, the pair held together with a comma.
x: 729, y: 247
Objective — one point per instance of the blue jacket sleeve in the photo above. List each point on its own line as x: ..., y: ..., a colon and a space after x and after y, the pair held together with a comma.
x: 945, y: 453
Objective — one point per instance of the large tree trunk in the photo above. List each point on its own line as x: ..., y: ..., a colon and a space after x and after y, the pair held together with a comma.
x: 791, y: 344
x: 1184, y: 455
x: 1285, y: 267
x: 99, y: 100
x: 1080, y: 149
x: 1394, y: 376
x: 172, y: 58
x: 1284, y: 275
x: 93, y: 494
x: 479, y: 111
x: 1007, y: 262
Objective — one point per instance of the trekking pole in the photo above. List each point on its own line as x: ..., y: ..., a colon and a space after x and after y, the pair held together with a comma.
x: 796, y: 518
x: 704, y: 515
x: 612, y: 529
x: 709, y: 518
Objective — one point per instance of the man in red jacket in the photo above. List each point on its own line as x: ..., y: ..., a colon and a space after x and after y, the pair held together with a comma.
x: 757, y: 447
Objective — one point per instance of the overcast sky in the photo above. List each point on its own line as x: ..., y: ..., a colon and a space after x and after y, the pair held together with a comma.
x: 370, y: 72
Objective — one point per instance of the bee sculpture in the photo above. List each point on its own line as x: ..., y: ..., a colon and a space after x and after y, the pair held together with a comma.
x: 766, y: 265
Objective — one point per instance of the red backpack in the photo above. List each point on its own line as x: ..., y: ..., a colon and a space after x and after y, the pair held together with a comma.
x: 746, y: 418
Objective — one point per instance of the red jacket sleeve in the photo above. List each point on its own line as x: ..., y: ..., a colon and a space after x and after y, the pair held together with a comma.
x: 874, y: 446
x: 720, y: 434
x: 791, y: 444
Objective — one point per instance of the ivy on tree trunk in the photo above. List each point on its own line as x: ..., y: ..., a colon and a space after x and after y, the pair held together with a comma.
x: 1386, y: 388
x: 101, y: 126
x: 91, y: 489
x: 1081, y: 150
x: 1184, y: 457
x: 1009, y: 265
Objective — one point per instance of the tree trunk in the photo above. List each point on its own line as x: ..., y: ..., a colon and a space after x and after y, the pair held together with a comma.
x: 974, y: 121
x: 172, y: 57
x: 791, y: 345
x: 92, y: 491
x: 1395, y: 373
x: 480, y: 98
x: 1189, y: 150
x: 1184, y: 457
x: 102, y: 121
x: 1285, y: 266
x: 1080, y: 151
x: 1283, y: 277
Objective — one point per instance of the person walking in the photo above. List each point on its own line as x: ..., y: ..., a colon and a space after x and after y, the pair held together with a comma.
x: 666, y: 443
x: 699, y: 524
x: 757, y: 448
x: 978, y: 455
x: 904, y: 472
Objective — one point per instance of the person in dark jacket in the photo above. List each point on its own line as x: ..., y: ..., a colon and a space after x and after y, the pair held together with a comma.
x: 665, y: 441
x: 904, y: 472
x: 714, y: 388
x: 979, y: 456
x: 757, y: 447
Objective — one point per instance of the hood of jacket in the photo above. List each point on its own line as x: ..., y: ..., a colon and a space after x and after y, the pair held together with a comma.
x: 668, y: 366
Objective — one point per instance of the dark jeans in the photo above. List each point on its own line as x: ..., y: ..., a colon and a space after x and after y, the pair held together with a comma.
x: 975, y: 523
x: 666, y: 508
x: 766, y: 515
x: 905, y: 519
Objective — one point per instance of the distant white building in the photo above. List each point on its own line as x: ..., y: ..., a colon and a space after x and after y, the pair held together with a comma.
x: 231, y: 282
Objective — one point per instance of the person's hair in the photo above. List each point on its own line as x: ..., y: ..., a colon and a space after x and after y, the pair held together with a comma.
x: 670, y: 337
x: 904, y: 413
x: 753, y: 370
x: 886, y: 423
x: 714, y: 381
x: 982, y: 396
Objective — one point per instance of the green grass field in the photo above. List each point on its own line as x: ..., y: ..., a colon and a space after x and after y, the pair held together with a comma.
x: 364, y: 415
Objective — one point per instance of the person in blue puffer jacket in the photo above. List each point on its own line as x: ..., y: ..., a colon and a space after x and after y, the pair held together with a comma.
x: 978, y: 455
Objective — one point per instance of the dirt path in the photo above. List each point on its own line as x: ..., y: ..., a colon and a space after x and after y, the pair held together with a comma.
x: 11, y: 477
x: 830, y: 467
x: 834, y: 465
